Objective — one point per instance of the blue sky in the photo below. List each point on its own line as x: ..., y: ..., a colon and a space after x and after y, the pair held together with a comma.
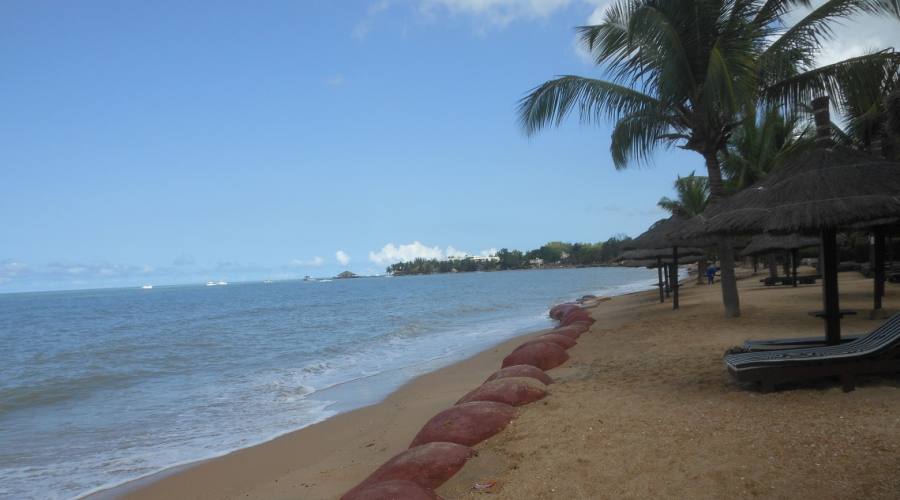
x: 175, y: 142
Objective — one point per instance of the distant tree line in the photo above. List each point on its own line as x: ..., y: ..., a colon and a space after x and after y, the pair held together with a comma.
x: 553, y: 254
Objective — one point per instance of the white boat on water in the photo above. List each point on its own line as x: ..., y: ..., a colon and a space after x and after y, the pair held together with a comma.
x: 210, y: 283
x: 147, y: 287
x: 222, y: 283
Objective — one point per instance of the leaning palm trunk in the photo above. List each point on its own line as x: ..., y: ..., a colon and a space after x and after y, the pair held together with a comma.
x: 729, y: 280
x: 730, y: 298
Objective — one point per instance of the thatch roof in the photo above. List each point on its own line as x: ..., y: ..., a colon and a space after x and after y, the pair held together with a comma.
x: 666, y: 233
x: 664, y: 253
x: 767, y: 243
x: 825, y: 187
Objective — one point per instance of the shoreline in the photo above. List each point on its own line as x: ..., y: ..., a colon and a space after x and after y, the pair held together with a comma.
x: 279, y: 454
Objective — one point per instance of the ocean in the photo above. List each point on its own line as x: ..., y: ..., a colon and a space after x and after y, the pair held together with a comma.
x: 100, y: 387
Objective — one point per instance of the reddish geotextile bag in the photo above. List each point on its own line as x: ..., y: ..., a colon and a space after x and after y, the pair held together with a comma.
x: 521, y: 371
x: 544, y: 355
x: 467, y: 424
x: 429, y: 466
x: 561, y: 340
x: 514, y: 391
x: 392, y: 490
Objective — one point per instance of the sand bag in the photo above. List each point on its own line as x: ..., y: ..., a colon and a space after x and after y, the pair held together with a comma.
x: 392, y: 490
x: 574, y: 316
x: 515, y: 391
x: 467, y: 424
x: 428, y: 466
x: 544, y: 355
x: 561, y: 340
x: 558, y: 311
x: 571, y: 331
x: 521, y: 371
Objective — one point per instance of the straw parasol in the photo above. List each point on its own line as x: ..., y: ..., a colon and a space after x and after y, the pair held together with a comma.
x: 765, y: 243
x: 815, y: 193
x: 664, y: 239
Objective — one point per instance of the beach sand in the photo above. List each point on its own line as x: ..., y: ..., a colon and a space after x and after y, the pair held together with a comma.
x: 643, y: 409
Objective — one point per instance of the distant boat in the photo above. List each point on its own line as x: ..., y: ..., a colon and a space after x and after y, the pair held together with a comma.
x: 222, y: 283
x: 210, y: 283
x: 267, y: 281
x: 147, y: 287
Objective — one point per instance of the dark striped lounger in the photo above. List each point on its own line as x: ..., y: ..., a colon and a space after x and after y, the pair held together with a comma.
x: 875, y: 353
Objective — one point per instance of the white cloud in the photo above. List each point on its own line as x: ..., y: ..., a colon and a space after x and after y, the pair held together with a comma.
x: 500, y: 12
x: 390, y: 253
x: 11, y: 269
x: 455, y: 252
x: 342, y: 257
x: 497, y: 13
x: 313, y: 262
x: 335, y: 80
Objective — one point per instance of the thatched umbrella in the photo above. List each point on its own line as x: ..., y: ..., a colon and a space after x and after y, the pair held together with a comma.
x: 664, y: 236
x: 662, y: 260
x: 816, y: 192
x: 766, y: 243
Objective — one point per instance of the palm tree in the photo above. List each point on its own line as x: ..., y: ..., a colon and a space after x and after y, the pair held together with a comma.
x: 683, y: 72
x: 864, y: 100
x: 760, y: 144
x: 692, y: 196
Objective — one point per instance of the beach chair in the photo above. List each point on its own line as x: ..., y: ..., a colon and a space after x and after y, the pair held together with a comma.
x: 875, y: 353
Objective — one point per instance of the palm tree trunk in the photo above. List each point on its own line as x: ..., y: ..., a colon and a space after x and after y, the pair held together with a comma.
x: 726, y: 251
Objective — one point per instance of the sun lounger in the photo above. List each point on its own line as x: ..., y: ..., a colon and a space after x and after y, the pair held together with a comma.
x: 787, y: 280
x: 875, y: 353
x: 791, y: 343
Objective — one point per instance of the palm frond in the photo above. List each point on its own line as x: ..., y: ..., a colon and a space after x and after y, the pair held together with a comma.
x: 802, y: 41
x: 635, y: 136
x: 797, y: 90
x: 550, y: 103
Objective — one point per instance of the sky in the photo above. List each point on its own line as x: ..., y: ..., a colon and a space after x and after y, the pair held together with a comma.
x: 178, y: 142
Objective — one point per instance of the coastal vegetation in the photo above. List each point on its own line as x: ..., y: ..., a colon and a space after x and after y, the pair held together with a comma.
x: 554, y: 254
x: 690, y: 74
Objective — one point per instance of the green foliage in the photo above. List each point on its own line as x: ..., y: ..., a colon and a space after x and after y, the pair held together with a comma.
x: 693, y: 196
x: 865, y: 102
x: 686, y: 73
x: 760, y: 144
x: 553, y: 254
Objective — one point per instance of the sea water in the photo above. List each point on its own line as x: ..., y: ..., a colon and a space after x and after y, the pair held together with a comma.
x: 100, y: 387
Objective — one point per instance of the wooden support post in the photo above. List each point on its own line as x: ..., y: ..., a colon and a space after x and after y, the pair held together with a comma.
x: 659, y: 271
x: 666, y: 275
x: 878, y: 266
x: 675, y: 277
x: 830, y: 287
x: 795, y: 262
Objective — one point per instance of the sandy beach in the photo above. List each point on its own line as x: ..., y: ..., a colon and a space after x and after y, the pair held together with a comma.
x: 644, y: 408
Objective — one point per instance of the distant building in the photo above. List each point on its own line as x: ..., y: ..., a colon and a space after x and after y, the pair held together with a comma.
x: 476, y: 258
x: 345, y: 275
x: 536, y: 262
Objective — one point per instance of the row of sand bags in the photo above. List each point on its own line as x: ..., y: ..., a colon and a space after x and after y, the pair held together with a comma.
x: 442, y: 446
